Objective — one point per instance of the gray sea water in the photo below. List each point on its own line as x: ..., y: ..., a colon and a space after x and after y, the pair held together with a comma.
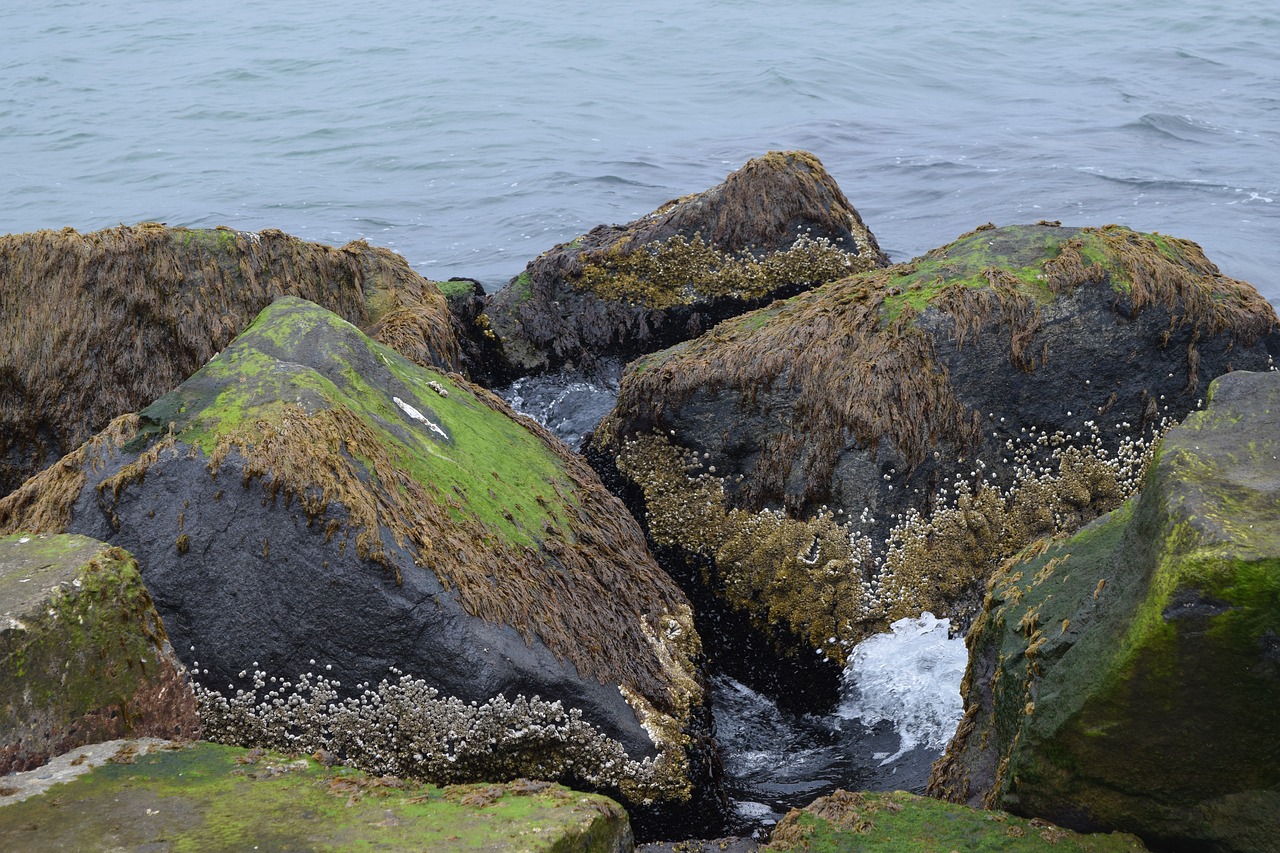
x: 471, y: 137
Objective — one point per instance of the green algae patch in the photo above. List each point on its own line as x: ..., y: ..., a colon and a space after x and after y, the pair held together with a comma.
x: 1128, y: 676
x: 210, y: 797
x: 900, y: 821
x: 83, y: 653
x: 100, y: 324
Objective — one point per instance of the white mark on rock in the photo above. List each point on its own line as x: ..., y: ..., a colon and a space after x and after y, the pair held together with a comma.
x: 418, y: 416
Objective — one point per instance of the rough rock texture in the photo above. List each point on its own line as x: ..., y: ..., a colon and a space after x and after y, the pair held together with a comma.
x: 83, y: 653
x: 873, y: 448
x: 1129, y: 677
x: 96, y: 325
x: 310, y: 501
x: 904, y: 822
x: 777, y: 226
x: 210, y: 797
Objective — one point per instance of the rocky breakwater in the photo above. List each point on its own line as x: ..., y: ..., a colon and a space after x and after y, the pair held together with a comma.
x: 96, y: 325
x: 875, y: 447
x: 777, y: 226
x: 361, y: 556
x: 1128, y: 677
x: 83, y: 653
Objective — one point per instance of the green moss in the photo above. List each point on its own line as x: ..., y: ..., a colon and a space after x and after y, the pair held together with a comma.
x: 904, y: 822
x: 210, y: 797
x: 452, y: 289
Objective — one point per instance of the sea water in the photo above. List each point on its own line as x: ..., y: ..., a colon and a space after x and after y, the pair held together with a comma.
x: 471, y: 137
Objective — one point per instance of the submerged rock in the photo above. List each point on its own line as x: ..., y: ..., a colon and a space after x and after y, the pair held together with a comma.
x: 873, y: 448
x: 901, y: 821
x: 777, y: 226
x: 211, y: 797
x: 313, y: 508
x: 101, y: 324
x: 1128, y: 677
x: 83, y: 653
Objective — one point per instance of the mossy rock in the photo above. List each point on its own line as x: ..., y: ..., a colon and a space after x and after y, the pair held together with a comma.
x: 1128, y: 677
x: 777, y: 226
x: 100, y: 324
x: 875, y: 447
x: 83, y: 653
x: 904, y: 822
x: 209, y: 797
x: 311, y: 501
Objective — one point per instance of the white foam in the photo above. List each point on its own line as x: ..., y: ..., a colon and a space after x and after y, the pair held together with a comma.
x: 911, y: 678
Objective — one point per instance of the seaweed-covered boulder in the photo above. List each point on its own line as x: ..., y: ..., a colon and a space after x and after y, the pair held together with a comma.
x: 873, y: 448
x: 311, y: 507
x: 96, y: 325
x: 83, y: 653
x: 211, y: 797
x: 778, y: 225
x: 899, y: 821
x: 1129, y: 677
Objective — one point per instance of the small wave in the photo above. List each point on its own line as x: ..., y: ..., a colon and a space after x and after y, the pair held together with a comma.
x: 1181, y: 127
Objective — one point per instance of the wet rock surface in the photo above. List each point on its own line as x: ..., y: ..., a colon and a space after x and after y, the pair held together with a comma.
x: 85, y: 655
x: 212, y: 797
x: 873, y: 448
x: 777, y: 226
x: 1125, y: 678
x: 103, y: 323
x: 312, y: 502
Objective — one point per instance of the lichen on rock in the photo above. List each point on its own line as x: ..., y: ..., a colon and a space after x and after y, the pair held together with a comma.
x: 877, y: 446
x: 385, y: 515
x: 103, y: 323
x: 1127, y: 677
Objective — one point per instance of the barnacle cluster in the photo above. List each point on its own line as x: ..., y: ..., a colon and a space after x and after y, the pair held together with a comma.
x: 829, y: 581
x: 682, y: 270
x: 407, y: 728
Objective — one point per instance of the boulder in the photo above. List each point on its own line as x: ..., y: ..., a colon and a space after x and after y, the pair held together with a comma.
x: 211, y: 797
x: 900, y: 821
x: 777, y: 226
x: 83, y: 653
x: 873, y: 448
x: 1128, y: 677
x: 101, y: 324
x: 312, y: 508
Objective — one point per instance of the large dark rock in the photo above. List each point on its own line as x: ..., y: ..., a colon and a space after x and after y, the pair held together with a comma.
x: 1129, y: 677
x: 777, y: 226
x: 312, y: 502
x: 873, y: 448
x: 83, y: 653
x: 96, y: 325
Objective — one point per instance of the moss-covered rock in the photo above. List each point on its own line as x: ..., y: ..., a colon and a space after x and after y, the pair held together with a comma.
x: 1128, y: 677
x: 777, y: 226
x: 312, y: 502
x: 904, y: 822
x: 875, y: 447
x: 211, y: 797
x: 99, y: 324
x: 83, y: 653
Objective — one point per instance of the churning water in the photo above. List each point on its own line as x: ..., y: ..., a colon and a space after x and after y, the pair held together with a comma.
x: 471, y: 137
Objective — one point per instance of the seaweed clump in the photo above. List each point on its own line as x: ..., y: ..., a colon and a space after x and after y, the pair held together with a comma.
x: 100, y: 324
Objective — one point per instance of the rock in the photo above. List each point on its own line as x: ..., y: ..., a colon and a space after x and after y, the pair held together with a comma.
x: 212, y: 797
x: 777, y: 226
x: 101, y: 324
x: 900, y: 821
x: 873, y: 448
x: 314, y: 507
x: 1128, y: 677
x: 84, y: 653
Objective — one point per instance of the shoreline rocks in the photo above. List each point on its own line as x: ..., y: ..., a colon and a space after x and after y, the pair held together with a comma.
x: 1127, y: 677
x: 777, y: 226
x: 103, y: 323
